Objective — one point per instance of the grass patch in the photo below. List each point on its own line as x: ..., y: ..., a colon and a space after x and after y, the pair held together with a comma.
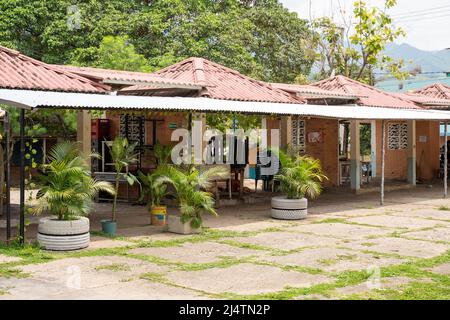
x: 153, y: 259
x: 368, y: 244
x: 154, y: 277
x: 224, y: 262
x: 116, y: 267
x: 109, y: 236
x: 331, y: 220
x: 246, y: 245
x: 339, y: 257
x: 206, y: 235
x: 11, y: 272
x: 327, y: 262
x: 412, y: 291
x: 444, y: 208
x: 288, y: 267
x: 4, y: 292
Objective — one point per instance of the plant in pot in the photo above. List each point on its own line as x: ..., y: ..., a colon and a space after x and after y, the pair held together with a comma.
x: 300, y: 178
x: 190, y: 185
x: 162, y: 153
x: 66, y: 191
x: 155, y: 192
x: 123, y: 155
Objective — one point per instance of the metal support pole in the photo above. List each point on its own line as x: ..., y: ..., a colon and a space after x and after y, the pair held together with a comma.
x: 22, y: 176
x: 445, y: 159
x: 7, y: 126
x: 383, y: 153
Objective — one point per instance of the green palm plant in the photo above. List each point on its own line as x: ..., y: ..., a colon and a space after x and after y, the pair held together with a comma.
x: 190, y: 185
x: 67, y: 188
x: 123, y: 155
x: 150, y: 188
x: 162, y: 153
x: 300, y: 176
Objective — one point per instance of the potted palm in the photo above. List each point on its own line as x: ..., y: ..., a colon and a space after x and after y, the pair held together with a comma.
x: 67, y: 191
x: 300, y: 178
x: 155, y: 192
x: 193, y: 200
x: 123, y: 155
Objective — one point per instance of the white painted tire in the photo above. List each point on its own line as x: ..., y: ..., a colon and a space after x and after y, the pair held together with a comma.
x: 60, y: 235
x: 289, y: 209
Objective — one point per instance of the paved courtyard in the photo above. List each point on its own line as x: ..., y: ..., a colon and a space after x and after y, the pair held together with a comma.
x: 348, y: 248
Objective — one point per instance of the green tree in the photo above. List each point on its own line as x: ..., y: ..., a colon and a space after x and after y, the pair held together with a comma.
x: 114, y: 53
x: 258, y: 38
x: 283, y: 43
x: 356, y: 54
x: 51, y: 30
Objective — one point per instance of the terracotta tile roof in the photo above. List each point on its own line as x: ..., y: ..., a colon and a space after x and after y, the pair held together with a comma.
x: 421, y: 99
x: 221, y: 82
x: 435, y: 90
x: 368, y: 96
x: 309, y: 91
x: 18, y: 71
x: 121, y: 77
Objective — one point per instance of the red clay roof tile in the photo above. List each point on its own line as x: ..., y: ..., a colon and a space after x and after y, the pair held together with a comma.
x: 309, y: 91
x: 126, y: 77
x: 368, y: 95
x: 435, y: 90
x: 18, y: 71
x: 224, y: 83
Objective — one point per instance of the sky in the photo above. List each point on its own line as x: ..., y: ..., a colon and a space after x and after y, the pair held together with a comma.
x: 426, y: 22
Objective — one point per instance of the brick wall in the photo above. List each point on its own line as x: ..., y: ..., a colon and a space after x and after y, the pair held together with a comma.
x: 395, y: 160
x: 327, y: 150
x: 427, y: 153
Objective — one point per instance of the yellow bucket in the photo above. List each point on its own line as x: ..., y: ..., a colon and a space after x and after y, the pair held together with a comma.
x: 158, y: 215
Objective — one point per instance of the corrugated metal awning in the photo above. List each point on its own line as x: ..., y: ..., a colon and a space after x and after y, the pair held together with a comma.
x: 42, y: 99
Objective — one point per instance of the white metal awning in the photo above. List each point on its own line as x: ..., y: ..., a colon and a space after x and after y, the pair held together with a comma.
x: 43, y: 99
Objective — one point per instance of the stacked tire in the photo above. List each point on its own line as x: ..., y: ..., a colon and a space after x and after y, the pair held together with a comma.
x: 62, y: 235
x: 289, y: 209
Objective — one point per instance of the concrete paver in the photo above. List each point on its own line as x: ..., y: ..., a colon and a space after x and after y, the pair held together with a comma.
x: 244, y: 279
x: 331, y: 259
x: 203, y: 252
x: 398, y: 222
x: 402, y: 247
x: 341, y: 230
x: 286, y: 240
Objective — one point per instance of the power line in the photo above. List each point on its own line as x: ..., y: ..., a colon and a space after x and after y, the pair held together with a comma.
x: 422, y: 14
x: 419, y: 11
x: 427, y: 72
x: 417, y: 19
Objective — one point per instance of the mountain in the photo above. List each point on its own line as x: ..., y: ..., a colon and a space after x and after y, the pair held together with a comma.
x: 429, y: 61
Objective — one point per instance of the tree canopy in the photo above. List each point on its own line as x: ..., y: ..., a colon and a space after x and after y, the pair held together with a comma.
x: 356, y: 51
x: 258, y: 38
